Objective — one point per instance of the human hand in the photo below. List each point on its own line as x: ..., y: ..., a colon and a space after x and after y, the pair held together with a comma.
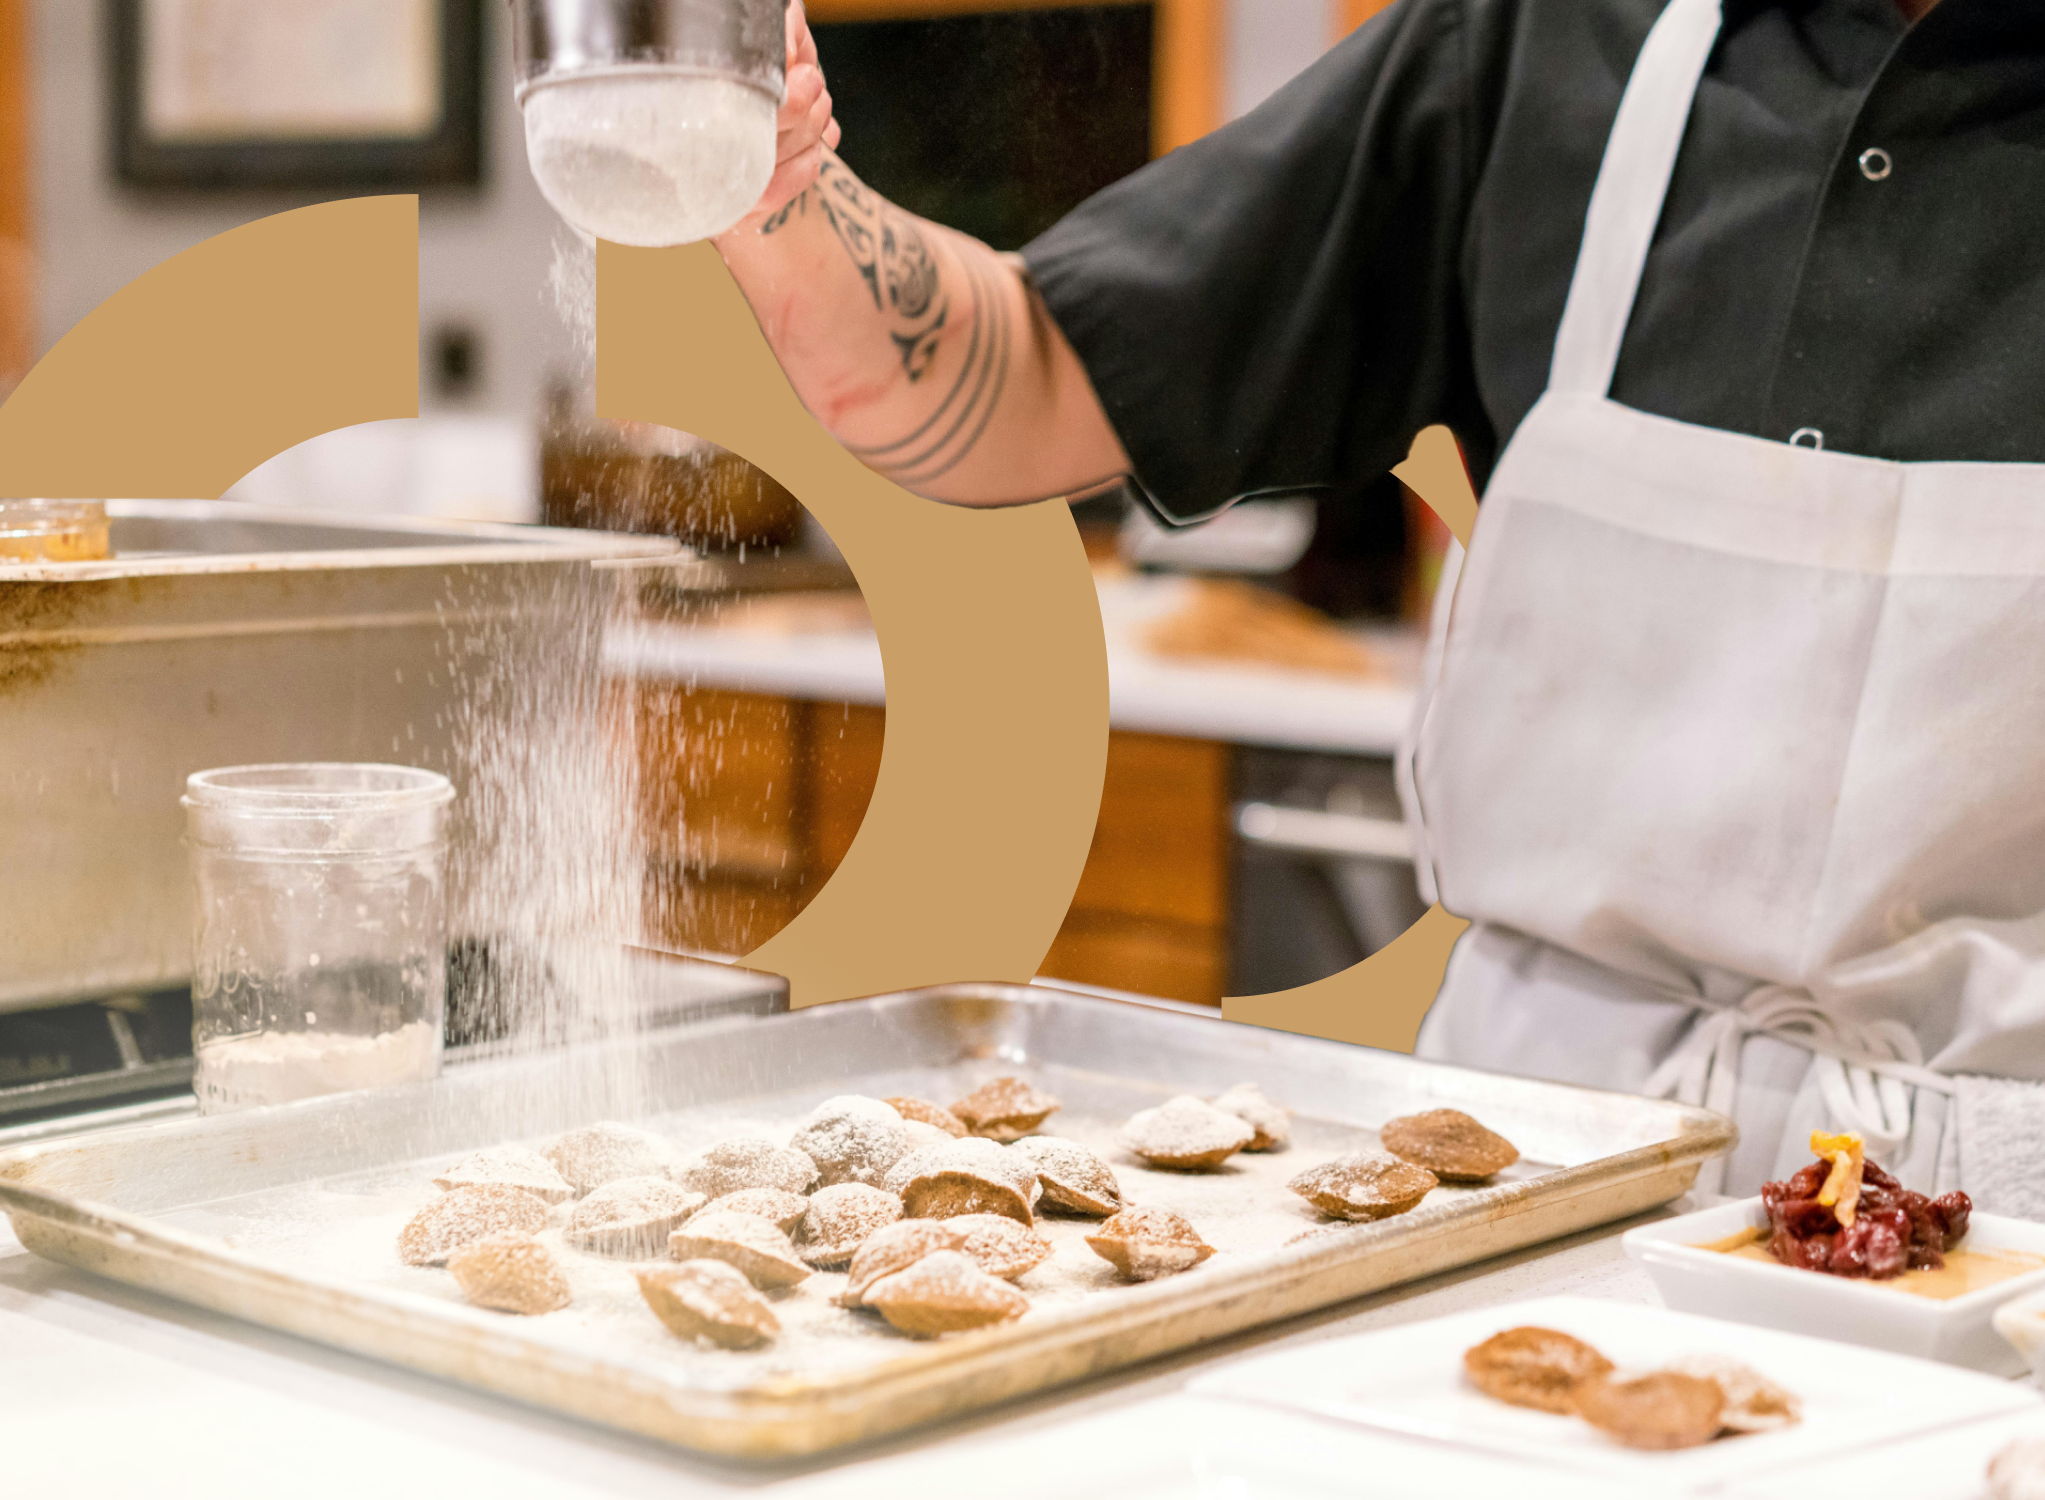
x: 805, y: 128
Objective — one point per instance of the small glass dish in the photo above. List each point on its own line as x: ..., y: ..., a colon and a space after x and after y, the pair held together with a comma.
x: 1692, y: 1276
x: 54, y: 531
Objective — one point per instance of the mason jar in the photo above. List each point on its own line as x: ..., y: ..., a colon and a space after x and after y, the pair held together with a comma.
x: 54, y: 531
x: 319, y: 951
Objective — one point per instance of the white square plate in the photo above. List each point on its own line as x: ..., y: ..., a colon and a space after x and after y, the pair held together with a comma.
x: 1957, y: 1331
x: 1947, y: 1465
x: 1409, y: 1381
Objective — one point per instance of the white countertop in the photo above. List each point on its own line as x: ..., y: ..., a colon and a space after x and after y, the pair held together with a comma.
x: 1249, y: 705
x: 106, y: 1391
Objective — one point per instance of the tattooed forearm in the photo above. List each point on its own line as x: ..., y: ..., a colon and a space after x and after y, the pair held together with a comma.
x: 888, y: 249
x: 945, y: 437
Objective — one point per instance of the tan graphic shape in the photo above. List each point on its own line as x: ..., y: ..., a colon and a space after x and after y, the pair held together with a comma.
x: 1380, y: 1002
x: 990, y: 632
x: 224, y: 356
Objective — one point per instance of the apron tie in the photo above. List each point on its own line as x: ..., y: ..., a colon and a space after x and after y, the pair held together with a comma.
x: 1865, y: 1069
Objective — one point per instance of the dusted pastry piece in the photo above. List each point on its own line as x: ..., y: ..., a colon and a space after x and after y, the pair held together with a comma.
x: 1449, y: 1144
x: 1753, y: 1402
x: 2018, y: 1471
x: 630, y: 1217
x: 734, y: 1166
x: 1367, y: 1185
x: 944, y: 1292
x: 839, y: 1220
x: 1005, y: 1109
x: 922, y: 1137
x: 710, y: 1301
x: 511, y: 1273
x: 783, y: 1210
x: 1074, y: 1179
x: 852, y: 1139
x: 600, y: 1153
x: 1272, y: 1122
x: 508, y: 1166
x: 1662, y: 1410
x: 926, y: 1113
x: 751, y: 1244
x: 971, y: 1176
x: 461, y: 1216
x: 1186, y: 1134
x: 1146, y: 1243
x: 1000, y: 1246
x: 896, y: 1248
x: 1537, y: 1367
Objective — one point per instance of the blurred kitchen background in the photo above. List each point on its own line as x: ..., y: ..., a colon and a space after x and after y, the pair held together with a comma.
x: 1261, y: 665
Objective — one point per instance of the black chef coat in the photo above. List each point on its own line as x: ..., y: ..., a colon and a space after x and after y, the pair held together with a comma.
x: 1387, y: 242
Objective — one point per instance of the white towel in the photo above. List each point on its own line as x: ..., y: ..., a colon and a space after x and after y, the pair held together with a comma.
x: 2002, y: 1144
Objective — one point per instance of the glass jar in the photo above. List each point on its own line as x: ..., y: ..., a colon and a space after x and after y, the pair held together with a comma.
x: 319, y: 948
x: 53, y: 531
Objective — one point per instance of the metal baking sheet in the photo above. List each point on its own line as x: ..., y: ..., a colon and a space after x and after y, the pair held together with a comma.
x: 284, y: 1216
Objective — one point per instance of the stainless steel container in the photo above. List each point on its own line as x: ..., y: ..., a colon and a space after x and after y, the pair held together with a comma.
x: 741, y: 39
x: 222, y: 634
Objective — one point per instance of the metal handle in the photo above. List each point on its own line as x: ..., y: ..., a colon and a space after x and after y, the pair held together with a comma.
x: 1307, y: 830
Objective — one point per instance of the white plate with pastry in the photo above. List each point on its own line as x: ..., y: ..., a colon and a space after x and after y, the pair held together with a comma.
x: 1414, y: 1381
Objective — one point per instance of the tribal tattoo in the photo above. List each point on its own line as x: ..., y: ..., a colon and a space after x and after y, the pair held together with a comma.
x: 891, y: 255
x: 888, y: 249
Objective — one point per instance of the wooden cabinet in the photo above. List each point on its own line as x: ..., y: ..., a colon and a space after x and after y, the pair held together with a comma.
x: 752, y: 801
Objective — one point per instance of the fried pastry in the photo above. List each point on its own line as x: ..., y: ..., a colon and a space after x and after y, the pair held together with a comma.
x: 738, y: 1165
x: 852, y: 1138
x: 1146, y: 1243
x: 944, y: 1292
x: 1537, y: 1367
x: 970, y: 1176
x: 2017, y: 1472
x: 895, y: 1248
x: 922, y: 1137
x: 1005, y: 1109
x: 839, y: 1220
x: 783, y: 1210
x: 1074, y: 1179
x: 922, y: 1159
x: 1450, y: 1144
x: 1186, y: 1134
x: 1660, y: 1410
x: 710, y: 1301
x: 1272, y: 1122
x: 463, y: 1215
x: 1753, y: 1402
x: 630, y: 1217
x: 1000, y: 1246
x: 1366, y: 1185
x: 924, y: 1112
x: 600, y: 1153
x: 508, y: 1166
x: 511, y: 1273
x: 762, y: 1253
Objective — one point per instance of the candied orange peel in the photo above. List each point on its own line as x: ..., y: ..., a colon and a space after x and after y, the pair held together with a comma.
x: 1848, y: 1155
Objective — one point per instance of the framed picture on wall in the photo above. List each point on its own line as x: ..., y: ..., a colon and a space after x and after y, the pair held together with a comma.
x: 304, y: 94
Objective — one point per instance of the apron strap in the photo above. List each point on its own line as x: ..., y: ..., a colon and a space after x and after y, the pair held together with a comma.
x: 1865, y: 1070
x: 1626, y: 204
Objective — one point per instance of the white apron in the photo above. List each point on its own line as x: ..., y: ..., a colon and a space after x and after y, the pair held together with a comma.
x: 1734, y: 752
